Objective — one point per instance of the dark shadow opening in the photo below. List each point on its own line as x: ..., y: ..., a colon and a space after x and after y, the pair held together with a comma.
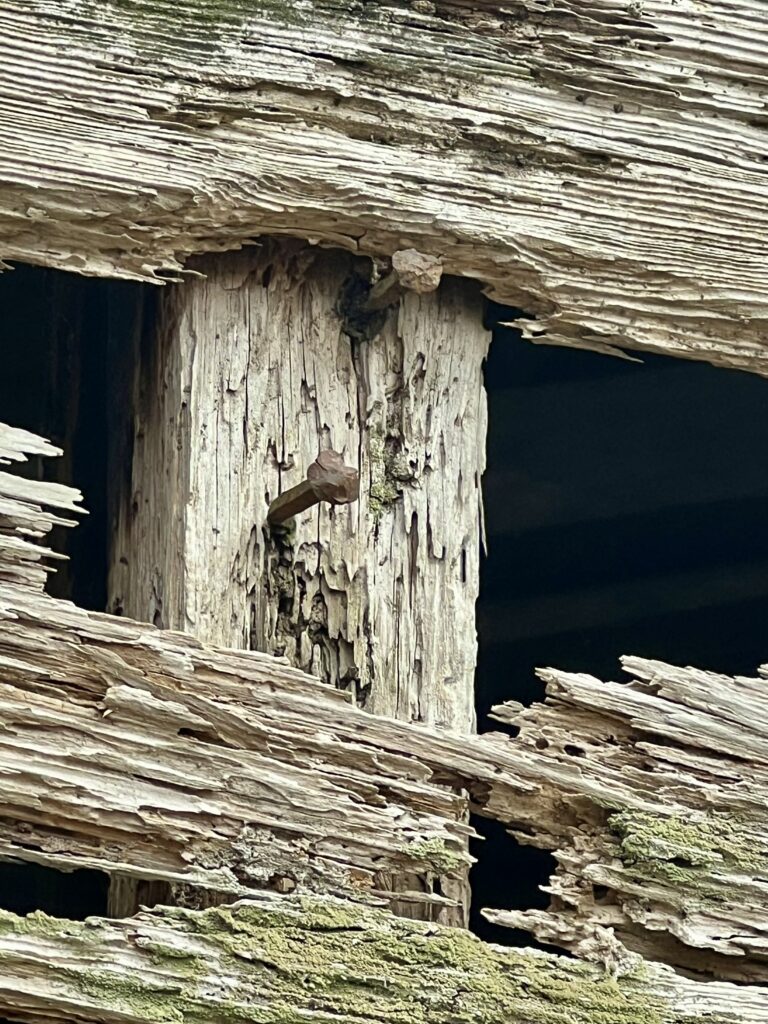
x: 506, y: 876
x: 65, y: 340
x: 75, y: 895
x: 626, y: 508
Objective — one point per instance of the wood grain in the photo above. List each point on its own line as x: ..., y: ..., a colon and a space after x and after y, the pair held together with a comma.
x: 602, y: 168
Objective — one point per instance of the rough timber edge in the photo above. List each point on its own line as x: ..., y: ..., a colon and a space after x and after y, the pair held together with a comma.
x: 257, y: 705
x: 296, y: 960
x: 623, y: 829
x: 643, y: 240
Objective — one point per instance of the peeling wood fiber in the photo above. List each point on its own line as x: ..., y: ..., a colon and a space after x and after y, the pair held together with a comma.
x: 147, y: 754
x: 654, y: 799
x: 150, y: 754
x: 601, y: 167
x: 256, y: 368
x: 119, y: 771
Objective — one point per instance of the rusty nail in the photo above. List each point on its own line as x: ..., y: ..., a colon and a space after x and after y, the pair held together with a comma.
x: 411, y: 271
x: 328, y: 479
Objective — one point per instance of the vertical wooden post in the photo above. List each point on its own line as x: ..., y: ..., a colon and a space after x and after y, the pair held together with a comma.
x: 256, y: 369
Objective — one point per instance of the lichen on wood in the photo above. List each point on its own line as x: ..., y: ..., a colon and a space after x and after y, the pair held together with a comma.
x: 296, y: 960
x: 653, y: 798
x: 149, y: 754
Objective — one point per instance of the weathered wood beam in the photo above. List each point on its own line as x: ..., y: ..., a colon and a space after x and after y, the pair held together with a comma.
x: 109, y: 764
x: 147, y: 754
x: 651, y: 794
x: 252, y: 373
x: 325, y: 961
x: 601, y: 167
x: 654, y: 799
x: 227, y: 421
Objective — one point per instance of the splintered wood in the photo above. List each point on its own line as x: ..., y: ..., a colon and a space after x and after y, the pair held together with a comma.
x: 148, y: 754
x: 328, y: 962
x: 255, y: 370
x: 601, y: 166
x: 654, y: 798
x: 23, y: 519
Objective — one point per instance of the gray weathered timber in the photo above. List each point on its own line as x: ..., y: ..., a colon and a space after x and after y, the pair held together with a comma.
x: 147, y: 754
x: 256, y: 368
x: 325, y: 961
x: 253, y: 373
x: 652, y: 794
x: 24, y: 519
x: 662, y: 838
x: 601, y: 166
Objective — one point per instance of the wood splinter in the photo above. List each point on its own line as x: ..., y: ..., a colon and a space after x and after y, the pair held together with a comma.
x: 328, y: 479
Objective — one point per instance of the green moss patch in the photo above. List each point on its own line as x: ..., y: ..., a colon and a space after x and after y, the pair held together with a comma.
x: 697, y: 841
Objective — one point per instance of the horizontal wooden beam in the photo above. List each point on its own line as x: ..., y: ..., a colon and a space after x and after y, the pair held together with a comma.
x: 146, y: 754
x: 600, y: 167
x: 662, y: 843
x: 325, y: 961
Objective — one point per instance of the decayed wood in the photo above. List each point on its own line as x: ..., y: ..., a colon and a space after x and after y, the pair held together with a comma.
x: 149, y: 755
x: 601, y: 166
x: 410, y: 270
x: 325, y: 961
x: 22, y: 515
x: 254, y: 373
x: 354, y: 618
x: 119, y: 769
x: 654, y: 797
x: 120, y: 742
x: 268, y: 360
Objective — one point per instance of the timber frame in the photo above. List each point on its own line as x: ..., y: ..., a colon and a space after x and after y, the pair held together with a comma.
x: 229, y: 774
x: 601, y: 169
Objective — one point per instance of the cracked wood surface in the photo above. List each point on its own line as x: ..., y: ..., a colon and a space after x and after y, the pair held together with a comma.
x: 654, y: 797
x: 601, y: 167
x: 147, y: 753
x: 329, y: 962
x: 377, y: 597
x: 253, y: 370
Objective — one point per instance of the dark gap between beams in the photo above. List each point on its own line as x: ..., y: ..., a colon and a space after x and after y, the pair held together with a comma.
x: 625, y: 508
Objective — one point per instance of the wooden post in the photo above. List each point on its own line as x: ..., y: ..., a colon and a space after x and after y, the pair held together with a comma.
x: 258, y: 367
